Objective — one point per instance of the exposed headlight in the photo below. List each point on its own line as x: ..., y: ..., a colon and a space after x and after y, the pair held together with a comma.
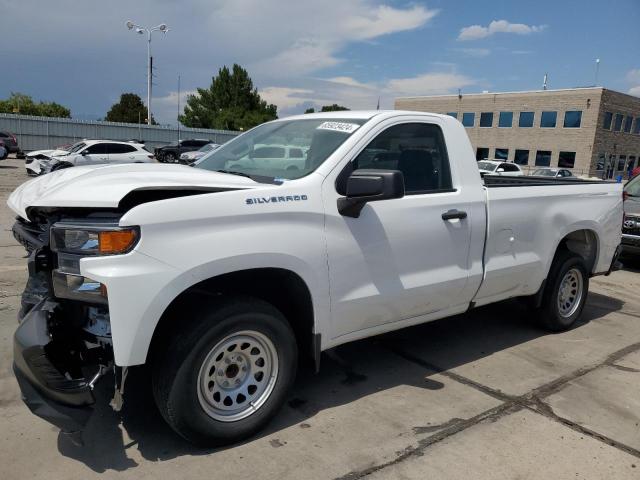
x: 72, y: 243
x: 93, y: 240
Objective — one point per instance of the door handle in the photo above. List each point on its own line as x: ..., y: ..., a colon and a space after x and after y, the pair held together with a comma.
x: 453, y: 214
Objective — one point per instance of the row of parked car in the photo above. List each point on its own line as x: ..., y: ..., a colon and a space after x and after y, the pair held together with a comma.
x: 510, y: 169
x: 94, y: 152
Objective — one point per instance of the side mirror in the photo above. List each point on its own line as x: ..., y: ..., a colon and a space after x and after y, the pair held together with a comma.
x: 500, y: 170
x: 365, y: 186
x: 84, y: 152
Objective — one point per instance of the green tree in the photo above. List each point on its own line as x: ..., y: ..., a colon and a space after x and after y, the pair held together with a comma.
x: 231, y: 102
x: 129, y: 109
x: 24, y: 104
x: 310, y: 110
x: 333, y: 108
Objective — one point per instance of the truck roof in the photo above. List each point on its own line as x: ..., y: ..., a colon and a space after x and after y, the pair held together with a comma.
x: 361, y: 114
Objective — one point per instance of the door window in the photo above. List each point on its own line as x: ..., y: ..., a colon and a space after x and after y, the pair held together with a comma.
x: 416, y: 149
x: 121, y: 148
x: 97, y: 149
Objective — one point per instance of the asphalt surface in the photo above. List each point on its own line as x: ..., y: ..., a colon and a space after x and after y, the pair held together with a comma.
x: 485, y: 395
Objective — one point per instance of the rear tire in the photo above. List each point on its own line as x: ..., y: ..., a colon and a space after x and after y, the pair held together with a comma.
x: 169, y: 157
x: 225, y: 372
x: 565, y: 292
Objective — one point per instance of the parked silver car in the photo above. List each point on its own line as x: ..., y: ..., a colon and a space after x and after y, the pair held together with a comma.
x: 631, y: 224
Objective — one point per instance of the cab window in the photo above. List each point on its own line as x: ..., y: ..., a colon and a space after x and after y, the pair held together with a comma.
x: 416, y: 149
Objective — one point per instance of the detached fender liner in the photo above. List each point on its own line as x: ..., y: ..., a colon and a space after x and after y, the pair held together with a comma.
x: 49, y: 394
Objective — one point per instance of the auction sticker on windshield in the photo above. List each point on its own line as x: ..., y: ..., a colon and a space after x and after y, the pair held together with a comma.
x: 339, y: 127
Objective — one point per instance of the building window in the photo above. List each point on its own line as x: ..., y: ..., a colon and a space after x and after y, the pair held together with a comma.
x: 543, y: 158
x: 617, y: 126
x: 468, y: 119
x: 505, y: 120
x: 521, y: 157
x: 600, y: 163
x: 548, y: 119
x: 526, y: 119
x: 622, y: 159
x: 502, y: 153
x: 632, y: 164
x: 486, y: 119
x: 608, y: 118
x: 627, y: 124
x: 453, y: 114
x: 572, y: 118
x: 636, y: 127
x: 566, y: 159
x: 482, y: 153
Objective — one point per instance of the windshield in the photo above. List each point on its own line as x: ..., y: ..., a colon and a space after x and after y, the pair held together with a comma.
x: 545, y: 172
x: 77, y: 146
x: 632, y: 188
x: 281, y: 150
x: 487, y: 166
x: 208, y: 147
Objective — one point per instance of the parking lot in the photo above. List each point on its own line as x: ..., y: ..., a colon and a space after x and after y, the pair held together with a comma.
x: 485, y: 395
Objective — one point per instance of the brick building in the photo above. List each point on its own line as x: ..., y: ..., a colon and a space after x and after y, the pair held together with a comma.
x: 593, y: 131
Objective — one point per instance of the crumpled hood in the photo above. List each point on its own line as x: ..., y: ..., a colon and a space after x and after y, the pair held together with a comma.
x: 47, y: 153
x: 103, y: 186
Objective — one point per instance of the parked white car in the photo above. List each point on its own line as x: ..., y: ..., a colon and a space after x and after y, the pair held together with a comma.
x: 87, y: 152
x: 554, y: 173
x: 496, y: 167
x: 216, y: 276
x: 190, y: 157
x: 283, y: 157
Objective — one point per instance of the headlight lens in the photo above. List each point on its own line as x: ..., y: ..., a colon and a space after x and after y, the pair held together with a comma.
x: 93, y: 240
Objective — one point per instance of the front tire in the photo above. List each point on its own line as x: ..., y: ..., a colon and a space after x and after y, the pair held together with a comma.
x: 565, y: 293
x: 170, y: 157
x: 226, y: 372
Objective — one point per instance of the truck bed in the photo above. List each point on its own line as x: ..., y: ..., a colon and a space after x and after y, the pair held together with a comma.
x: 495, y: 181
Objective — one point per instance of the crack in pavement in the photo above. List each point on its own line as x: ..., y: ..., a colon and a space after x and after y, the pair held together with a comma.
x: 532, y: 400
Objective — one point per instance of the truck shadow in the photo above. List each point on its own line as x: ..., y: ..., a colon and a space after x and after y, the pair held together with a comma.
x: 349, y: 372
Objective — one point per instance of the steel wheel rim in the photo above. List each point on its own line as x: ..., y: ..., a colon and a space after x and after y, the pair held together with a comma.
x: 237, y: 376
x: 570, y: 293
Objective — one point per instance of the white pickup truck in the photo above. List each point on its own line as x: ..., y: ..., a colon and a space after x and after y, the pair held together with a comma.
x: 217, y: 276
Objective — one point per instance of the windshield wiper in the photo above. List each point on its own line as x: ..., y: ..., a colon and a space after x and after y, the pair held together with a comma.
x: 234, y: 172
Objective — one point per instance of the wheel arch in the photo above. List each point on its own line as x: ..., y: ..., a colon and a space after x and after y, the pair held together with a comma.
x: 281, y: 287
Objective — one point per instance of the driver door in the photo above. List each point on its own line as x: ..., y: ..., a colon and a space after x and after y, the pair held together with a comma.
x: 93, y: 155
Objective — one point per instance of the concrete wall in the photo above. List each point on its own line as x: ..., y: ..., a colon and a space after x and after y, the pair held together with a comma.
x: 36, y: 133
x: 579, y: 140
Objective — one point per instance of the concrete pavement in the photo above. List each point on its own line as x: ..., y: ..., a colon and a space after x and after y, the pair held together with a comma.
x: 481, y: 395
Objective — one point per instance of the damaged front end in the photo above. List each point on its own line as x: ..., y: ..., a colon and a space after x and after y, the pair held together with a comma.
x: 62, y: 346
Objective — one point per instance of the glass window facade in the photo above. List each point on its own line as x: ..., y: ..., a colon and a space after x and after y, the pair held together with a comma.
x: 622, y: 160
x: 505, y: 120
x: 572, y: 119
x: 521, y: 157
x: 482, y: 153
x: 543, y: 158
x: 453, y: 114
x: 601, y: 160
x: 606, y: 122
x: 526, y: 119
x: 636, y: 126
x: 468, y: 119
x: 486, y: 119
x: 627, y: 124
x: 617, y: 126
x: 548, y: 119
x: 567, y: 159
x: 502, y: 153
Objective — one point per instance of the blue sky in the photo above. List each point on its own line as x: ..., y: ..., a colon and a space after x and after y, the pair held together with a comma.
x: 309, y: 53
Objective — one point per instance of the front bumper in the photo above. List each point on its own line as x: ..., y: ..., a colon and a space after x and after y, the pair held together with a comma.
x: 630, y: 244
x: 50, y: 393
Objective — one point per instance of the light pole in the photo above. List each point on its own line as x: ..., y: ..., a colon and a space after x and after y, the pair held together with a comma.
x: 141, y: 30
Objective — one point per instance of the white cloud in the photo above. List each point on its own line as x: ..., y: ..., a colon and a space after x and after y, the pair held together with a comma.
x: 475, y: 52
x: 354, y: 94
x: 475, y: 32
x: 633, y: 77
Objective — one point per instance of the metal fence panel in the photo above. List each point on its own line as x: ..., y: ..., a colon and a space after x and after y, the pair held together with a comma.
x: 37, y: 133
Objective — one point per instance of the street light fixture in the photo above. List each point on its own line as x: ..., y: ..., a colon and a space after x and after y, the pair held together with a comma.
x: 141, y: 30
